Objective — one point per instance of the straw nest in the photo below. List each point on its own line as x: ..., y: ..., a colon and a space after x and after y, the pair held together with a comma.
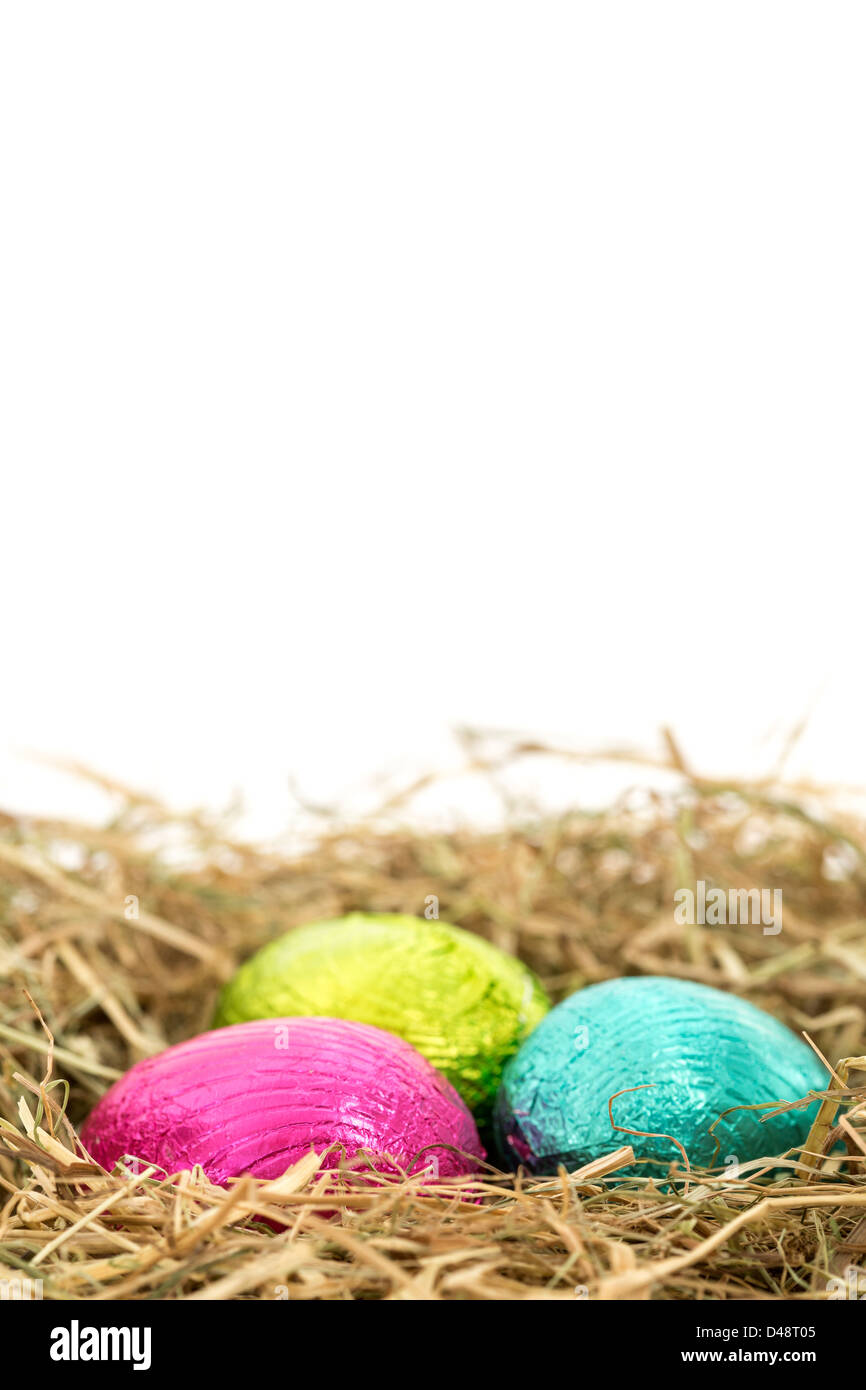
x: 114, y: 942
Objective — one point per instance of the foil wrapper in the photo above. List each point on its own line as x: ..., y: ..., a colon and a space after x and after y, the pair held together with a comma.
x: 254, y: 1098
x: 462, y: 1002
x: 700, y: 1050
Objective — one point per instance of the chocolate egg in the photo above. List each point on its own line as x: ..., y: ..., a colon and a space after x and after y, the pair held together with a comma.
x: 463, y: 1003
x: 256, y: 1097
x: 699, y: 1050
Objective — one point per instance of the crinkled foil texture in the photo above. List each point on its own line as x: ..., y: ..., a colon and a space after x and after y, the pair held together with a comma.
x: 462, y: 1002
x: 255, y: 1097
x: 702, y: 1051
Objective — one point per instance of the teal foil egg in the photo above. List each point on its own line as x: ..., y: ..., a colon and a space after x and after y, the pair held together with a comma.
x: 700, y: 1050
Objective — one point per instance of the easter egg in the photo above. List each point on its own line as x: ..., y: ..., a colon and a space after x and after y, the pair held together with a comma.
x: 256, y: 1097
x: 698, y: 1050
x: 460, y: 1001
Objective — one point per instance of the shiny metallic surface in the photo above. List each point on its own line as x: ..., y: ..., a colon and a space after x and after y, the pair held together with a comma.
x: 254, y: 1098
x: 700, y: 1050
x: 463, y: 1003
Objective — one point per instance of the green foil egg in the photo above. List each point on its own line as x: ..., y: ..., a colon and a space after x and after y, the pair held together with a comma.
x: 463, y: 1003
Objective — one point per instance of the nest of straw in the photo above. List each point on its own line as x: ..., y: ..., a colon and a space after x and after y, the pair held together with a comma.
x: 115, y: 940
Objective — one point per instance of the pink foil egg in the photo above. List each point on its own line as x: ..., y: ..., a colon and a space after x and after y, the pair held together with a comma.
x: 255, y: 1097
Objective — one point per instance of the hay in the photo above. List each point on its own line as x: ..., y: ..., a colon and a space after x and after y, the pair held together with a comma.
x: 115, y: 940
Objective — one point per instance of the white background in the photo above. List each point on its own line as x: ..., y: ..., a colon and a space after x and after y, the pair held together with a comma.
x: 372, y: 368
